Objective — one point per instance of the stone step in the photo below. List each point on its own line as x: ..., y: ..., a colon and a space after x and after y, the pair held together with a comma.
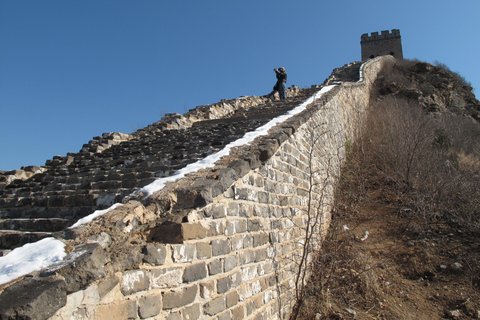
x: 35, y: 225
x: 12, y: 239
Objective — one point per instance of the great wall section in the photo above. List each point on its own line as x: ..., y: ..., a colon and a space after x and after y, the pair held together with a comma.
x: 220, y: 243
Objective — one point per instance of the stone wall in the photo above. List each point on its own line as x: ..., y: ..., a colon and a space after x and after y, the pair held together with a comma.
x: 222, y: 243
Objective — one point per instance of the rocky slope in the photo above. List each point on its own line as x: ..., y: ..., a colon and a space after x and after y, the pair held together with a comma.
x: 436, y: 88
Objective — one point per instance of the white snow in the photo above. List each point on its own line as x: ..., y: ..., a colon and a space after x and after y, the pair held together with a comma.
x: 36, y: 256
x: 95, y: 214
x: 247, y: 138
x: 31, y: 257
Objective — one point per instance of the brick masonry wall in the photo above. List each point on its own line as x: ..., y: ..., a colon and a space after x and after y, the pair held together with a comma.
x: 236, y: 253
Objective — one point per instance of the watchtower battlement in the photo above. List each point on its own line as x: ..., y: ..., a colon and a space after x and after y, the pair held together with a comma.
x: 386, y: 43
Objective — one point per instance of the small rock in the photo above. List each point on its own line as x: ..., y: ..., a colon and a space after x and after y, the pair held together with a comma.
x: 456, y: 266
x: 318, y: 316
x: 454, y: 313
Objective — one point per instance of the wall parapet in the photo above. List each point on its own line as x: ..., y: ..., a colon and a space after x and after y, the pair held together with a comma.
x: 220, y: 243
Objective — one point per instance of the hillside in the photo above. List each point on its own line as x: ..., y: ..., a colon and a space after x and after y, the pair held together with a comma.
x: 404, y: 242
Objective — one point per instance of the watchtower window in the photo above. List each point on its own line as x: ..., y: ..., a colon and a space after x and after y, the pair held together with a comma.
x: 392, y: 53
x: 372, y: 56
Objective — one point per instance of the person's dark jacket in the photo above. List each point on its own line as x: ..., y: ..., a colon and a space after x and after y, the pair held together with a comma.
x: 281, y: 76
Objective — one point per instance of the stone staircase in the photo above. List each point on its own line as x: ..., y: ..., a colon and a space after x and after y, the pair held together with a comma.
x: 36, y: 202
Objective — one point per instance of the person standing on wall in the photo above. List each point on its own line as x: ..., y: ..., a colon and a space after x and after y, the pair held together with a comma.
x: 281, y: 82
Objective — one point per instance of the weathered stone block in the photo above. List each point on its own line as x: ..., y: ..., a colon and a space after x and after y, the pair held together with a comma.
x: 83, y: 266
x: 194, y: 272
x: 134, y: 281
x: 237, y: 242
x: 260, y: 239
x: 241, y: 167
x: 107, y: 285
x: 179, y: 298
x: 183, y: 252
x: 192, y: 312
x: 232, y: 299
x: 236, y: 279
x: 215, y: 306
x: 224, y: 284
x: 227, y: 177
x: 166, y: 277
x: 216, y: 228
x: 215, y: 267
x: 224, y: 315
x: 28, y: 298
x: 193, y: 231
x: 229, y: 263
x: 123, y: 310
x: 149, y: 306
x: 204, y: 251
x: 233, y: 209
x: 238, y: 313
x: 220, y: 247
x: 207, y: 289
x: 219, y: 211
x: 154, y: 254
x: 254, y: 225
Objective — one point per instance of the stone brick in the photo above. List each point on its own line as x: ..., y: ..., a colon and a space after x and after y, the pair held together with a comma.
x: 236, y: 279
x: 238, y: 313
x: 123, y: 310
x: 260, y: 239
x: 215, y: 267
x: 107, y: 285
x: 194, y: 272
x: 224, y: 284
x: 166, y: 277
x: 233, y: 209
x: 192, y: 312
x: 149, y: 306
x: 220, y: 247
x: 224, y: 315
x: 232, y: 299
x: 254, y: 225
x: 134, y: 281
x: 245, y: 211
x: 246, y: 257
x: 183, y: 252
x: 241, y: 194
x: 237, y: 242
x: 204, y: 250
x: 216, y: 228
x: 215, y: 306
x: 179, y: 298
x: 154, y: 254
x: 207, y: 289
x: 193, y: 231
x: 229, y: 263
x: 219, y: 211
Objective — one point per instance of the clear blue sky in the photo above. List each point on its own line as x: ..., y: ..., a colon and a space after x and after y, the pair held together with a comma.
x: 72, y: 70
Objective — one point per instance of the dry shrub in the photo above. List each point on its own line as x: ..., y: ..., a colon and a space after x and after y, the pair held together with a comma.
x: 432, y: 162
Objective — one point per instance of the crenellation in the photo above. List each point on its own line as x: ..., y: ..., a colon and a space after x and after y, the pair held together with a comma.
x: 387, y: 43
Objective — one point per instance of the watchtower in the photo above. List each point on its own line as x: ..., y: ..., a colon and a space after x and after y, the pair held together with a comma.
x: 381, y: 44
